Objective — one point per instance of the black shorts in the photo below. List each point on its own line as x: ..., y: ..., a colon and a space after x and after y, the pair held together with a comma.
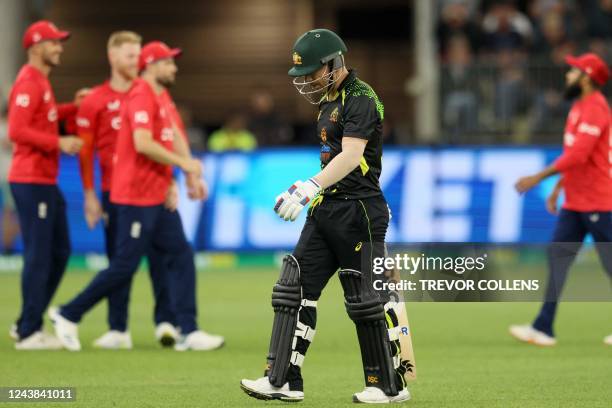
x: 335, y: 236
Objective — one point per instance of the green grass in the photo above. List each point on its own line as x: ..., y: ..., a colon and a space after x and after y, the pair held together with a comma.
x: 464, y: 356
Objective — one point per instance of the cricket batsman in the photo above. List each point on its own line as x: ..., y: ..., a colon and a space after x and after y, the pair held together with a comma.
x: 98, y: 122
x: 586, y: 178
x: 347, y: 215
x: 145, y: 197
x: 34, y: 131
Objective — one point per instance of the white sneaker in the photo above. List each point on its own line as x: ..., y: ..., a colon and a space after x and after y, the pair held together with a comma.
x: 66, y: 331
x: 166, y: 334
x: 114, y: 340
x: 608, y: 340
x: 39, y: 341
x: 13, y: 332
x: 530, y: 335
x: 373, y: 395
x: 199, y: 340
x: 263, y: 390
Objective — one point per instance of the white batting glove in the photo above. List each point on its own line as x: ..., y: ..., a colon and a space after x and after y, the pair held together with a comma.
x: 290, y: 203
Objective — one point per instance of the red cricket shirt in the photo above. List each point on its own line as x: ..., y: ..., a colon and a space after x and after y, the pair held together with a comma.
x: 33, y: 128
x: 98, y: 122
x: 138, y: 180
x: 168, y: 102
x: 586, y: 162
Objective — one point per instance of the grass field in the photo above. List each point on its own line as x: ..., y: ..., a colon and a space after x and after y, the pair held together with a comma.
x: 464, y: 356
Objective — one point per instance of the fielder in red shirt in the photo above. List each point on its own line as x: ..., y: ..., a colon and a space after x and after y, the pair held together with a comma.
x: 34, y: 131
x: 586, y: 178
x: 144, y: 193
x: 98, y: 123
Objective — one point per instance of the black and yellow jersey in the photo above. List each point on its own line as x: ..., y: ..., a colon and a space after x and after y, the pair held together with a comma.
x: 354, y: 110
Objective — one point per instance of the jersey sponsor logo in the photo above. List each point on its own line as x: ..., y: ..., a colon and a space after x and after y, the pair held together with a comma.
x: 167, y: 134
x: 569, y: 139
x: 47, y: 96
x: 162, y: 112
x: 116, y: 122
x: 325, y: 154
x: 324, y: 135
x: 113, y: 105
x: 52, y: 115
x: 333, y: 117
x: 22, y: 100
x: 82, y: 122
x: 297, y: 59
x: 141, y: 117
x: 589, y: 129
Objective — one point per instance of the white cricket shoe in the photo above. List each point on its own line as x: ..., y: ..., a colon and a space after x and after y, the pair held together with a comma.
x: 166, y: 334
x: 530, y: 335
x: 39, y: 341
x: 263, y: 390
x: 373, y: 395
x: 13, y: 332
x: 66, y: 331
x: 608, y: 340
x: 199, y: 340
x: 114, y: 340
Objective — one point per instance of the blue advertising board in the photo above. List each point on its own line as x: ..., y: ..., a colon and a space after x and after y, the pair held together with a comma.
x: 446, y: 194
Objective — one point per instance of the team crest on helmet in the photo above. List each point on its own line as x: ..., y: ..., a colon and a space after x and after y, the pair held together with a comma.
x: 297, y: 58
x: 334, y: 115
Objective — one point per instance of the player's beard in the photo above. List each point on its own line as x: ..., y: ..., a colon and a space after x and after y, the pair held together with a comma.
x: 572, y: 91
x: 50, y: 61
x: 166, y: 82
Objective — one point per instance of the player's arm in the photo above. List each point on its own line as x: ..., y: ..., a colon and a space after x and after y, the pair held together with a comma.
x: 86, y: 122
x: 197, y: 189
x: 553, y: 198
x: 27, y: 99
x: 344, y: 163
x: 145, y: 144
x: 588, y: 133
x: 69, y: 109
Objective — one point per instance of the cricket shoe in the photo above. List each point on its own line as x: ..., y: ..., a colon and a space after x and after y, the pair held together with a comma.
x: 13, y: 332
x: 66, y: 331
x: 39, y: 341
x: 530, y: 335
x: 114, y: 340
x: 166, y: 334
x: 263, y: 390
x: 608, y: 340
x: 373, y: 395
x: 199, y: 340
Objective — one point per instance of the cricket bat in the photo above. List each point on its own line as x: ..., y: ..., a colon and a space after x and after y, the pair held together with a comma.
x: 405, y: 334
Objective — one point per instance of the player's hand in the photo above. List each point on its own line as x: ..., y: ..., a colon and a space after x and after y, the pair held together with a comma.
x: 551, y: 202
x: 197, y: 189
x: 92, y: 208
x: 70, y: 144
x: 290, y: 203
x: 172, y: 197
x: 80, y: 94
x: 525, y: 184
x: 192, y: 166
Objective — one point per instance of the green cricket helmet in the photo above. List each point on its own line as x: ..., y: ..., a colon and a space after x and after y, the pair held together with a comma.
x: 313, y: 50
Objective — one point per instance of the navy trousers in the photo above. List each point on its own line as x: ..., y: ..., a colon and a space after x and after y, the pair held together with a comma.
x: 119, y: 299
x: 571, y: 229
x: 140, y: 230
x: 44, y: 228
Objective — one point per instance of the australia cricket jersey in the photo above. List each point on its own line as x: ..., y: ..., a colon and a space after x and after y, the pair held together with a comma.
x: 586, y: 162
x: 33, y: 128
x: 353, y: 111
x: 138, y: 180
